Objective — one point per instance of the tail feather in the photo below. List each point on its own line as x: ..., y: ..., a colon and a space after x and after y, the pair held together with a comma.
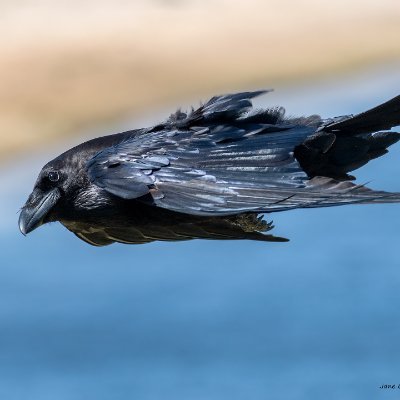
x: 384, y: 116
x: 343, y: 153
x: 345, y: 144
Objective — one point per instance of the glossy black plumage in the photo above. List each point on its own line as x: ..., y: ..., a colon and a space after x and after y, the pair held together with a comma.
x: 209, y: 173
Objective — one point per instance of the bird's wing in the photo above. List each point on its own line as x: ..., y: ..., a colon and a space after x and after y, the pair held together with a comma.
x: 170, y: 226
x: 221, y: 160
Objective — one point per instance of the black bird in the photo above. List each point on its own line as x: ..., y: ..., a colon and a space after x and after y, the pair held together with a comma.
x: 210, y: 173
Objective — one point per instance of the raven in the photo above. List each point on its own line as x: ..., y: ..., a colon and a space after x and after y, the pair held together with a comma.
x: 210, y: 173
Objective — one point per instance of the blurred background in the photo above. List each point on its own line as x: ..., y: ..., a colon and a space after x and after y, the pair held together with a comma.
x: 315, y: 317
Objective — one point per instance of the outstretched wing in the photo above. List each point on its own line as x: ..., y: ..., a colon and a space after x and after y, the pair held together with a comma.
x: 222, y: 160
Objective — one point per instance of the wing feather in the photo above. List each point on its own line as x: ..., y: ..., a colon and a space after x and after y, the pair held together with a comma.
x: 223, y: 160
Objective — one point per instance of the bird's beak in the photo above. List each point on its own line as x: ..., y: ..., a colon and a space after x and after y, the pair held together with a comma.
x: 36, y: 208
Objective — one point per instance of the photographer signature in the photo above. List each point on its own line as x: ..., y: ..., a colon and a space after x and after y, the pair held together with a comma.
x: 390, y: 386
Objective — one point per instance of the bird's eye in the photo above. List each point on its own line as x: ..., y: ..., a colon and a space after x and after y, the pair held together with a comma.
x: 53, y: 176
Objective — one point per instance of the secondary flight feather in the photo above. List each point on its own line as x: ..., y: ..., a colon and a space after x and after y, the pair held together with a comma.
x: 211, y: 173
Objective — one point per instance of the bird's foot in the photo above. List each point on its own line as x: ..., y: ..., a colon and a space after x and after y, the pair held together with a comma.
x: 253, y: 223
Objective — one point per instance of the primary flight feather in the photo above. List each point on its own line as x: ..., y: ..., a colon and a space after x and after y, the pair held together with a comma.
x: 210, y: 173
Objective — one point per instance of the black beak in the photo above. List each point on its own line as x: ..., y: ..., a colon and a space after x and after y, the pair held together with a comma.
x: 36, y: 208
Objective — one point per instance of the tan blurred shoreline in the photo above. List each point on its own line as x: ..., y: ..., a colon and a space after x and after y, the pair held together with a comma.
x: 67, y: 66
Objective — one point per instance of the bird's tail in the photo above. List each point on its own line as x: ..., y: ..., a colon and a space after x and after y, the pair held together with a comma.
x: 384, y: 116
x: 346, y: 143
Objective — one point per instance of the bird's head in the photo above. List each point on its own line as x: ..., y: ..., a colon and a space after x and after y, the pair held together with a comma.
x: 62, y: 190
x: 53, y: 185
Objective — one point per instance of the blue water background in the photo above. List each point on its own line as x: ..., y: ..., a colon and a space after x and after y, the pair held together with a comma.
x: 314, y: 318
